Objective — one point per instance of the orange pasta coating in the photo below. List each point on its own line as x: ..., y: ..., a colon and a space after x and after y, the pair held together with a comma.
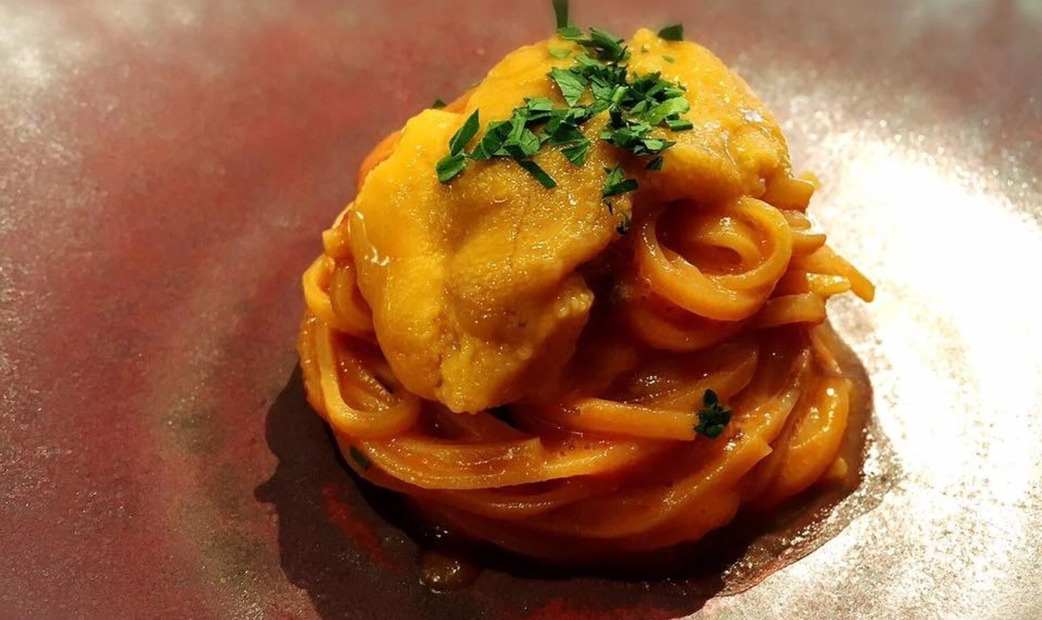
x: 433, y: 304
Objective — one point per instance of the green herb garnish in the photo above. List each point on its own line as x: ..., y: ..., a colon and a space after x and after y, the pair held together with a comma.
x: 359, y: 457
x: 463, y: 135
x: 438, y: 104
x: 668, y: 58
x: 640, y: 108
x: 515, y: 138
x: 571, y: 84
x: 666, y: 109
x: 524, y: 145
x: 492, y: 143
x: 679, y: 124
x: 561, y: 13
x: 569, y: 33
x: 713, y: 417
x: 605, y: 46
x: 672, y: 33
x: 540, y: 175
x: 562, y: 132
x: 450, y: 166
x: 616, y: 183
x: 577, y: 154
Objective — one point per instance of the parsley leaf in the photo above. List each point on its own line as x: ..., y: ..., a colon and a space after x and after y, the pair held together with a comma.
x: 539, y: 104
x: 492, y: 143
x: 652, y: 146
x: 668, y: 58
x: 450, y: 166
x: 586, y: 62
x: 525, y: 145
x: 669, y: 107
x: 538, y: 109
x: 564, y: 133
x: 577, y: 154
x: 464, y: 134
x: 569, y: 33
x: 561, y: 12
x: 540, y: 175
x: 627, y: 136
x: 672, y: 33
x: 605, y: 45
x: 518, y: 120
x: 572, y: 84
x: 628, y: 185
x: 713, y: 417
x: 616, y: 184
x: 603, y: 88
x: 679, y: 124
x: 359, y: 457
x: 438, y: 104
x: 636, y: 104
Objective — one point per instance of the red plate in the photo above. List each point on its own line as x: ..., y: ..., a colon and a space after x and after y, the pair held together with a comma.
x: 166, y: 167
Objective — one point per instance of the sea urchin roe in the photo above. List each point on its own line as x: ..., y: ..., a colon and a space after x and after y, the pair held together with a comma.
x: 481, y: 273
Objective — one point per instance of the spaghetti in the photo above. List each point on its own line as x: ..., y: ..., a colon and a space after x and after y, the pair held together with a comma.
x: 562, y: 423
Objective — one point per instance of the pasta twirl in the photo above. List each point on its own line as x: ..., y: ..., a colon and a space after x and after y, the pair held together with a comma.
x: 532, y: 364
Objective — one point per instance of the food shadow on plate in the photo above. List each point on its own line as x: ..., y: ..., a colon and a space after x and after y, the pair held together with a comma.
x: 357, y: 548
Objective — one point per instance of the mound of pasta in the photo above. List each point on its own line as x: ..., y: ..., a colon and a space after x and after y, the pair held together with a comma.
x: 580, y: 311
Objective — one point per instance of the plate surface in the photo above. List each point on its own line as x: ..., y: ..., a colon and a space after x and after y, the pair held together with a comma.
x: 166, y: 167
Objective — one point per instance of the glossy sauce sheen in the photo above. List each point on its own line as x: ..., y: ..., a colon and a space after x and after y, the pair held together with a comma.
x: 169, y: 164
x: 480, y: 273
x: 534, y: 379
x: 733, y: 558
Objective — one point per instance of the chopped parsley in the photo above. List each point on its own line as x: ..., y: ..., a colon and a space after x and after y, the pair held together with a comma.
x: 679, y: 124
x: 571, y: 84
x: 561, y: 13
x: 713, y: 417
x: 672, y: 33
x: 668, y: 58
x: 450, y: 166
x: 668, y: 108
x: 540, y: 175
x: 605, y: 46
x: 359, y: 457
x: 464, y: 134
x: 539, y: 104
x: 569, y: 33
x: 616, y: 183
x: 641, y: 110
x: 438, y: 104
x: 577, y: 154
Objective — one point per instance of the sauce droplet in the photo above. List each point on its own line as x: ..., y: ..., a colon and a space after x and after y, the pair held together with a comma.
x: 441, y: 572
